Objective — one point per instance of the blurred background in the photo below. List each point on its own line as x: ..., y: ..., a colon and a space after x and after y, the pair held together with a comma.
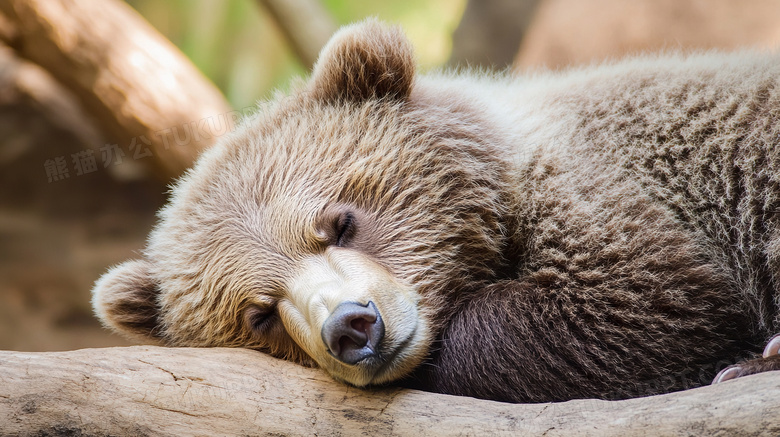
x: 103, y: 103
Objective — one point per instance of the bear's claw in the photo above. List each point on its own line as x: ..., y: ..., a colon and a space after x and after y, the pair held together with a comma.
x: 772, y: 347
x: 769, y: 361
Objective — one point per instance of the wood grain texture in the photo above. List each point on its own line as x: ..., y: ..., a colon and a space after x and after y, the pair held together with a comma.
x: 145, y: 390
x: 126, y: 75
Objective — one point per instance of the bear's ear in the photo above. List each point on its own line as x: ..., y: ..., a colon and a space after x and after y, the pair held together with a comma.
x: 125, y: 300
x: 363, y: 61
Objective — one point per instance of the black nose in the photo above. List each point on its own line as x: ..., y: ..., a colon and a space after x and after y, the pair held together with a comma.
x: 353, y: 331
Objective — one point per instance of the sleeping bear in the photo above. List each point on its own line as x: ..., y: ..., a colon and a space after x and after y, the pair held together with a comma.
x: 607, y: 232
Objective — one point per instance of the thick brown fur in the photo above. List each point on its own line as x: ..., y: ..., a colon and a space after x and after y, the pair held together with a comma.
x: 609, y: 232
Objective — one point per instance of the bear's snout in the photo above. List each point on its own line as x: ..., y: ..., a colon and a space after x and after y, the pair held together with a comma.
x: 353, y: 332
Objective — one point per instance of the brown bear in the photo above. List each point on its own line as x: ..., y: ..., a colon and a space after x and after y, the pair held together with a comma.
x: 606, y: 232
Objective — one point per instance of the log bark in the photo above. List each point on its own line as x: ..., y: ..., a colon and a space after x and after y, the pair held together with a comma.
x: 146, y: 390
x: 143, y: 92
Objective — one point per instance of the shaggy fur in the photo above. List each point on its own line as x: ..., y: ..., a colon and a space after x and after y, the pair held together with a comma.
x: 607, y: 232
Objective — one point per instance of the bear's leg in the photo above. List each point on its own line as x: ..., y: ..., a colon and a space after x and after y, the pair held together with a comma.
x: 523, y: 342
x: 768, y: 362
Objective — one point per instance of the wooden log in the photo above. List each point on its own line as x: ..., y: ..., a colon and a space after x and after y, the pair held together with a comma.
x: 146, y: 390
x: 143, y: 92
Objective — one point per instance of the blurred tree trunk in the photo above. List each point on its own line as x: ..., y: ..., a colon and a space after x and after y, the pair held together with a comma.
x: 145, y: 95
x: 306, y: 25
x: 490, y: 32
x: 25, y: 83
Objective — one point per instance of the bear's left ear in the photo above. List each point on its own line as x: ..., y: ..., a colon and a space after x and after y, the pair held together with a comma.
x: 364, y: 61
x: 125, y: 300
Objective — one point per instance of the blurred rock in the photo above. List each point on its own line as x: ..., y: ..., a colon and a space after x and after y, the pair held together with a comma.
x: 573, y: 32
x: 58, y: 236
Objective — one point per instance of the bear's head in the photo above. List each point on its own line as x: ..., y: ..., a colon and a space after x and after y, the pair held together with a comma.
x: 340, y: 226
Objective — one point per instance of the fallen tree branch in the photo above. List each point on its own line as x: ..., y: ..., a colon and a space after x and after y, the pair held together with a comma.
x: 180, y: 391
x: 126, y: 75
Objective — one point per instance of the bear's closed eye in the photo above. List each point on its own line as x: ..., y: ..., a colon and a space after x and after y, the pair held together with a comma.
x: 345, y: 228
x: 258, y: 318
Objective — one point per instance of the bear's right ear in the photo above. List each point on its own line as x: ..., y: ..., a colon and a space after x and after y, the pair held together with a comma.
x: 362, y: 61
x: 125, y: 300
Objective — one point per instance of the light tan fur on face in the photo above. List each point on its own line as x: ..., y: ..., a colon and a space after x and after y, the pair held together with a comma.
x: 340, y: 275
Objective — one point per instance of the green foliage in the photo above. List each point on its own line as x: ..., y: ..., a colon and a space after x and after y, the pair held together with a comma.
x: 238, y: 46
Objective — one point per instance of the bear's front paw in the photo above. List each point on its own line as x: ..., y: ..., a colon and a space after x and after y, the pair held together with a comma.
x: 768, y: 362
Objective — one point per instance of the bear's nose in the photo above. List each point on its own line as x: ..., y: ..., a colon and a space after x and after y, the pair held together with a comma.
x: 353, y: 331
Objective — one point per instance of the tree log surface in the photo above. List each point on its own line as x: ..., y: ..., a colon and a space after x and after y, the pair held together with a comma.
x: 148, y: 390
x: 126, y: 75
